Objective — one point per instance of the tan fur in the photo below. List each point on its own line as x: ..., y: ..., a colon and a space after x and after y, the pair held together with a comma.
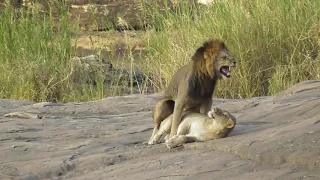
x: 197, y: 127
x: 192, y: 86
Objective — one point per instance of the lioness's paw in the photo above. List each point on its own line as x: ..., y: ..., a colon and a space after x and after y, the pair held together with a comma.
x: 173, y: 142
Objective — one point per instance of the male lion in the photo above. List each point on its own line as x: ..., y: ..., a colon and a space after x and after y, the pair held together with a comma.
x: 197, y: 127
x: 192, y: 86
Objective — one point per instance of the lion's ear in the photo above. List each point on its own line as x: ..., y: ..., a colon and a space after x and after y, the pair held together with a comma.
x: 223, y: 46
x: 230, y: 124
x: 205, y: 55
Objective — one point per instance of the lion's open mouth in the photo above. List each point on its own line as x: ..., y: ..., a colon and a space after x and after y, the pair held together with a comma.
x: 225, y: 70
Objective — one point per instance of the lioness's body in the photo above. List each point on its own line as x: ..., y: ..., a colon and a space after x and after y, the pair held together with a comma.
x: 197, y: 127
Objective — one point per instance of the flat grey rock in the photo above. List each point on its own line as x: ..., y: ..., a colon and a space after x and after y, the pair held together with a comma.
x: 275, y: 138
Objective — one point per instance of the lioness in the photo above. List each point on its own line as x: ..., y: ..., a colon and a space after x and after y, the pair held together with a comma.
x: 216, y: 124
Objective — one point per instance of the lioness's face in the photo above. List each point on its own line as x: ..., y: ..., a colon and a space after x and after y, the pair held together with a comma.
x: 224, y: 63
x: 222, y: 117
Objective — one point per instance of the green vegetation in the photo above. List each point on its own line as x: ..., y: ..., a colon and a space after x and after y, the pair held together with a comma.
x: 36, y: 59
x: 275, y: 42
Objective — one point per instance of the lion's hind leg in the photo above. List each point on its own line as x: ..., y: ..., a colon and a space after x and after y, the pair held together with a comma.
x: 161, y: 111
x: 164, y: 129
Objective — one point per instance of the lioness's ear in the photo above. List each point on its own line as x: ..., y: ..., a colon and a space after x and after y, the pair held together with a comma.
x: 230, y: 124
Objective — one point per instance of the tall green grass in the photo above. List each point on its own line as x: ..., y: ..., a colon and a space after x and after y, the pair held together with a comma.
x: 35, y: 58
x: 274, y: 41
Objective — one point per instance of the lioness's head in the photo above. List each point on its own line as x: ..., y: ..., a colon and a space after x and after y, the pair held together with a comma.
x: 223, y: 118
x: 217, y: 60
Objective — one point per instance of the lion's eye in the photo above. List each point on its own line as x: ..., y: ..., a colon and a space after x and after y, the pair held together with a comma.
x: 224, y: 57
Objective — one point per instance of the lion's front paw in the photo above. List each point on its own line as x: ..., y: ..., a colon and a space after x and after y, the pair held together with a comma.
x: 152, y: 141
x: 173, y: 142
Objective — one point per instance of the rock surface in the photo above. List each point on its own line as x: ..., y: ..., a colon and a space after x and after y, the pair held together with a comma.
x: 275, y: 137
x: 88, y: 68
x: 100, y: 15
x: 92, y: 15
